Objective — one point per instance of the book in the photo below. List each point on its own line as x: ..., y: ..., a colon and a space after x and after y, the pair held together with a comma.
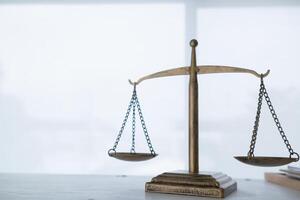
x: 292, y: 171
x: 294, y: 168
x: 283, y: 180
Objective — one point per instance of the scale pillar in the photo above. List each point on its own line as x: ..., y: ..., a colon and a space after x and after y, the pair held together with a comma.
x: 193, y: 113
x: 192, y: 182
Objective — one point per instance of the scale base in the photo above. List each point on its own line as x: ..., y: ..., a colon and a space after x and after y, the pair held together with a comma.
x: 203, y: 184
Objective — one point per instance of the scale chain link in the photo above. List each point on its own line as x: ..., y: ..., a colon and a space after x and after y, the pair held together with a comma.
x: 133, y: 123
x: 144, y: 127
x: 263, y: 93
x: 256, y: 123
x: 124, y: 123
x: 279, y: 127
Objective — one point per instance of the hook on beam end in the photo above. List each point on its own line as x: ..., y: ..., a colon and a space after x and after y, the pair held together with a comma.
x: 132, y: 83
x: 266, y: 74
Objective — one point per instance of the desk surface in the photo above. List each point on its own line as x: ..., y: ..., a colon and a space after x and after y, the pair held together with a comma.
x: 97, y: 187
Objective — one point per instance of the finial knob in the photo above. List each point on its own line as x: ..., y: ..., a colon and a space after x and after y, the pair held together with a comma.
x: 193, y: 43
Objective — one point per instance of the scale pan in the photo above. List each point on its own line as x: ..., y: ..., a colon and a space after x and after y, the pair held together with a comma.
x: 132, y: 156
x: 265, y: 161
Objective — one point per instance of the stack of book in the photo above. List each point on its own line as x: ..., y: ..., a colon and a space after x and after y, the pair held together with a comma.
x: 289, y: 177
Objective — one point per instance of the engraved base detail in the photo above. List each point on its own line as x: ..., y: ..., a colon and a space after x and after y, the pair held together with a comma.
x: 203, y: 184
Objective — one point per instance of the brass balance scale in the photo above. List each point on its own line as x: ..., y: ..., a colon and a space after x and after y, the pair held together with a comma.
x: 193, y: 182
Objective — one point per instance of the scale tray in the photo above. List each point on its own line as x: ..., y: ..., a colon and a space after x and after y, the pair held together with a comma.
x: 265, y: 161
x: 132, y: 156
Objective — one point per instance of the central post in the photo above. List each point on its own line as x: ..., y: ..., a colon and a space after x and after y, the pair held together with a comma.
x: 193, y: 113
x: 193, y: 182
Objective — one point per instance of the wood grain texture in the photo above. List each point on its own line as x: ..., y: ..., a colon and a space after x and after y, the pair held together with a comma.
x: 283, y: 180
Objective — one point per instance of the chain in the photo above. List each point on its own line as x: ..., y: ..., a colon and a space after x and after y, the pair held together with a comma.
x: 263, y: 92
x: 134, y: 102
x: 144, y: 127
x: 256, y: 123
x: 133, y: 122
x: 123, y: 124
x: 276, y: 120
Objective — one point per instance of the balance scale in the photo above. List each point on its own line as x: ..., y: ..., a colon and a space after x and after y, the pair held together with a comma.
x: 193, y: 182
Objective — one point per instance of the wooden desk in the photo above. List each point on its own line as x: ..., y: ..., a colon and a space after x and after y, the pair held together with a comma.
x: 97, y: 187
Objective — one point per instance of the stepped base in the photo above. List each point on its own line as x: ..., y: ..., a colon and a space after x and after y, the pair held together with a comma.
x: 203, y: 184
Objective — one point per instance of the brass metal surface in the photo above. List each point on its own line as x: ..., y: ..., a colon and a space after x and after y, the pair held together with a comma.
x: 212, y: 69
x: 201, y: 69
x: 204, y: 184
x: 202, y: 179
x: 192, y: 182
x: 264, y: 161
x: 193, y: 113
x: 132, y: 156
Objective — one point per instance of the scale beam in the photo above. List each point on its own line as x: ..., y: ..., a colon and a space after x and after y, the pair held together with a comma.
x: 202, y: 69
x: 192, y: 72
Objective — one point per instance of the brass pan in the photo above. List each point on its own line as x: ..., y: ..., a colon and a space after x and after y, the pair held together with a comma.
x: 132, y: 156
x: 264, y: 161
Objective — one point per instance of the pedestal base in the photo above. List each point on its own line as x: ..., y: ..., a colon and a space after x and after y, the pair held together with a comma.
x: 203, y: 184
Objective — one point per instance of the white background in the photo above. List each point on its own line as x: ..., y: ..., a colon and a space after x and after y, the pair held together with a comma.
x: 64, y: 89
